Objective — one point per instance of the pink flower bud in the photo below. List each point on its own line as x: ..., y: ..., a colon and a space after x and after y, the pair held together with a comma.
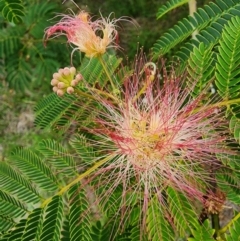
x: 61, y: 85
x: 66, y: 71
x: 70, y: 90
x: 60, y: 71
x: 56, y: 76
x: 54, y: 82
x: 55, y: 89
x: 78, y: 77
x: 73, y: 70
x: 60, y: 92
x: 74, y: 82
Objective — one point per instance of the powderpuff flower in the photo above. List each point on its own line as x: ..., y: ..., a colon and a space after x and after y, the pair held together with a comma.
x: 91, y: 37
x: 161, y: 140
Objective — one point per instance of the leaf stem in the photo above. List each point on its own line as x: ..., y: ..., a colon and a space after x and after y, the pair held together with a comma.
x: 106, y: 71
x: 79, y: 178
x: 192, y: 5
x: 225, y: 228
x: 215, y: 223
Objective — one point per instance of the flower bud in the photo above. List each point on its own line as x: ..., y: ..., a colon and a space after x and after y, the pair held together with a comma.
x: 66, y: 71
x: 79, y: 77
x: 60, y: 92
x: 56, y: 76
x: 55, y: 89
x: 61, y: 85
x: 74, y: 82
x: 60, y: 71
x: 70, y: 90
x: 54, y: 82
x: 73, y: 70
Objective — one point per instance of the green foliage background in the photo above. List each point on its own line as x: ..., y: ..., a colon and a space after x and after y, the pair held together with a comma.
x: 31, y: 205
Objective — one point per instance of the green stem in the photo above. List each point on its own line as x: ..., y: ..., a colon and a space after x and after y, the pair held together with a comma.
x: 100, y: 92
x: 227, y: 102
x: 80, y: 93
x: 218, y: 104
x: 215, y: 223
x: 106, y: 71
x: 192, y: 5
x: 79, y: 178
x: 224, y: 229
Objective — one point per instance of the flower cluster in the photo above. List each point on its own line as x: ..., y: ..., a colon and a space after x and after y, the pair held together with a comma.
x: 160, y: 137
x: 65, y: 80
x: 90, y: 37
x: 154, y: 135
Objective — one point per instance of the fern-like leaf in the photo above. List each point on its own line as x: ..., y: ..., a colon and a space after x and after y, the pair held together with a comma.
x: 234, y: 126
x: 229, y: 183
x: 53, y: 221
x: 83, y: 149
x: 33, y: 225
x: 32, y: 166
x: 203, y: 232
x: 203, y: 17
x: 183, y: 214
x: 13, y: 182
x: 157, y: 224
x: 228, y: 60
x: 200, y: 68
x: 79, y: 223
x: 170, y: 5
x: 58, y: 157
x: 19, y: 73
x: 234, y: 230
x: 13, y: 11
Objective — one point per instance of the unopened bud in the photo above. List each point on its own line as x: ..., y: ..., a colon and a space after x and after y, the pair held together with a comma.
x: 70, y: 90
x: 54, y: 82
x: 66, y: 71
x: 74, y: 82
x: 61, y: 85
x: 60, y: 71
x: 60, y: 92
x: 73, y: 70
x: 79, y: 77
x: 56, y: 76
x: 55, y: 89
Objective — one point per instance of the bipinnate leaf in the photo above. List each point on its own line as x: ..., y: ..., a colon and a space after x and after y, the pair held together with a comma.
x: 170, y: 5
x: 202, y: 232
x: 182, y: 212
x: 158, y: 227
x: 228, y: 60
x: 12, y: 10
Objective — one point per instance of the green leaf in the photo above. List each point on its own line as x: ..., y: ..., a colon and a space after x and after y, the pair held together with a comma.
x: 158, y: 227
x: 83, y: 148
x: 234, y: 126
x: 170, y: 5
x: 203, y: 232
x: 31, y: 164
x: 233, y: 232
x: 182, y: 212
x: 228, y: 60
x: 12, y: 10
x: 33, y: 225
x: 211, y: 18
x: 200, y: 68
x: 53, y: 221
x: 229, y: 183
x: 79, y: 223
x: 58, y: 157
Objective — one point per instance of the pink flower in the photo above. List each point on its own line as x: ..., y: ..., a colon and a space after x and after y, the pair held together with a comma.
x: 90, y: 37
x: 161, y: 138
